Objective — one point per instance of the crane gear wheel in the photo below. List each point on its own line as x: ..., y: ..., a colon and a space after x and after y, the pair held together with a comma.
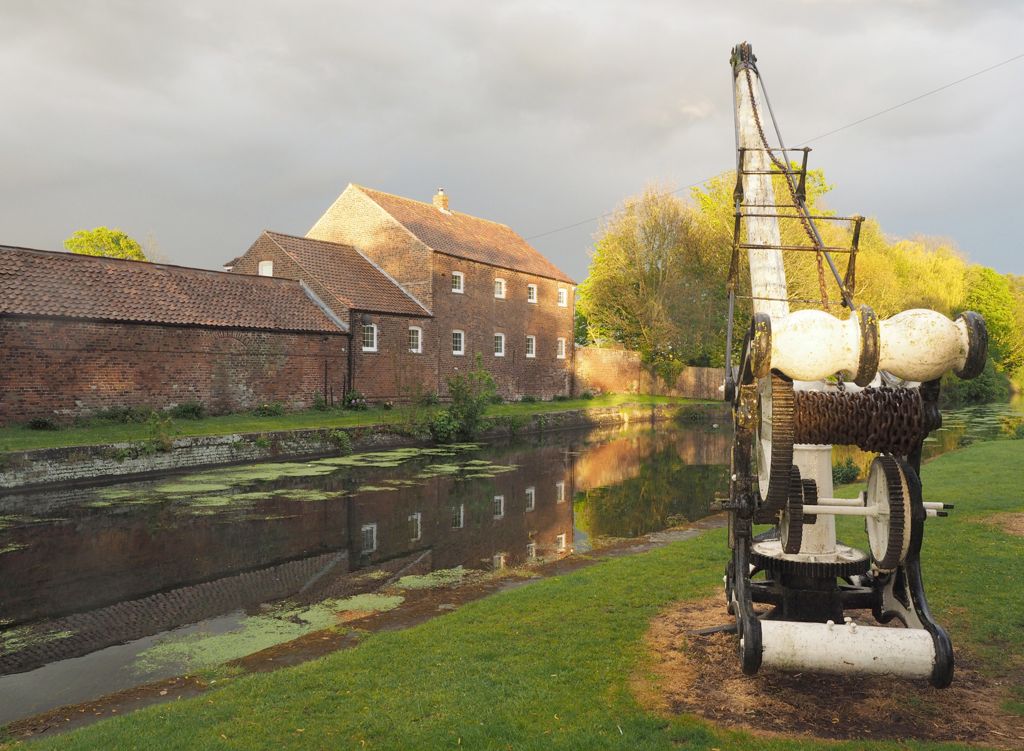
x: 791, y: 521
x: 774, y: 453
x: 889, y: 532
x: 810, y: 499
x: 768, y: 555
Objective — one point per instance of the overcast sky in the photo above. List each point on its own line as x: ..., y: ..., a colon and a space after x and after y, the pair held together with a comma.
x: 195, y: 125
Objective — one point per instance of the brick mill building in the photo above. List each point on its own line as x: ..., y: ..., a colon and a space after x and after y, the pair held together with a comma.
x: 425, y: 290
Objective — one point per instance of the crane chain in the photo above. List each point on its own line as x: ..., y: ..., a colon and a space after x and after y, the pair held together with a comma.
x: 876, y: 419
x: 792, y: 192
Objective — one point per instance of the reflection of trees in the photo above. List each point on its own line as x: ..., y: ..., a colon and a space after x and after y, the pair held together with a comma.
x: 664, y: 488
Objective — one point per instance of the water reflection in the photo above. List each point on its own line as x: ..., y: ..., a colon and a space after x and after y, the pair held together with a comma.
x: 93, y: 578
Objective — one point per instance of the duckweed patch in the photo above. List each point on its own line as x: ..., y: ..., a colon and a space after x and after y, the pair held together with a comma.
x: 369, y: 601
x: 374, y: 488
x: 12, y: 547
x: 23, y: 637
x: 444, y: 577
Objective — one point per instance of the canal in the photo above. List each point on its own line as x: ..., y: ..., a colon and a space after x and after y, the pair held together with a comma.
x: 109, y: 587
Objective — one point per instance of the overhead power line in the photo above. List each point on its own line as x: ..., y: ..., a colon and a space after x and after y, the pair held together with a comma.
x: 818, y: 137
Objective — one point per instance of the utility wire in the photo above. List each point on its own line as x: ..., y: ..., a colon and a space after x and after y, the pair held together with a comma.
x: 818, y: 137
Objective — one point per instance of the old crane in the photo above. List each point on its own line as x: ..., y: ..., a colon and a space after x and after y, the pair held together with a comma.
x: 807, y: 380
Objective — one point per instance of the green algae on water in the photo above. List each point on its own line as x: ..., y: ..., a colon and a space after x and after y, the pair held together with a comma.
x: 12, y: 547
x: 24, y: 637
x: 441, y: 578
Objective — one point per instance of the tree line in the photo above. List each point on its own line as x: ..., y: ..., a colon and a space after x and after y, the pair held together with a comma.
x: 658, y: 272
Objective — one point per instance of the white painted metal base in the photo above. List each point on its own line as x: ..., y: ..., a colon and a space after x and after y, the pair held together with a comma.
x: 847, y: 649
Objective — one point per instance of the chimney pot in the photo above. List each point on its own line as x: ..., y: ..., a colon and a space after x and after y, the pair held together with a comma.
x: 441, y: 199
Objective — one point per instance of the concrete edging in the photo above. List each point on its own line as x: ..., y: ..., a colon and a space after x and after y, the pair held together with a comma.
x: 81, y: 464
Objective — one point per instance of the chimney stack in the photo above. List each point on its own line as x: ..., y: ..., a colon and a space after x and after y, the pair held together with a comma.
x: 441, y: 199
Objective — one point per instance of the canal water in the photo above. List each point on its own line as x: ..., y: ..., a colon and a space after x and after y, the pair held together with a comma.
x: 106, y: 588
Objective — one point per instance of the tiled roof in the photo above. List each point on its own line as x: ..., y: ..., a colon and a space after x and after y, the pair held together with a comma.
x: 349, y: 275
x: 45, y: 283
x: 465, y: 236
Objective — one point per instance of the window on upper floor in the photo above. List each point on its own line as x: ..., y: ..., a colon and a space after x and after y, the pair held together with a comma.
x: 458, y: 342
x: 369, y: 337
x: 563, y: 297
x: 560, y: 352
x: 458, y: 282
x: 499, y: 288
x: 531, y: 293
x: 415, y: 339
x: 499, y: 345
x: 266, y: 268
x: 531, y: 346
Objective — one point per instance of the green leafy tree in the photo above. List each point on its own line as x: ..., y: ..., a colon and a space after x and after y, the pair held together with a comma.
x: 101, y: 241
x: 992, y: 294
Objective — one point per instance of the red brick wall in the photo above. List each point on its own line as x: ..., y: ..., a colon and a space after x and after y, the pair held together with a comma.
x: 481, y: 315
x: 620, y: 371
x: 393, y: 373
x: 61, y: 368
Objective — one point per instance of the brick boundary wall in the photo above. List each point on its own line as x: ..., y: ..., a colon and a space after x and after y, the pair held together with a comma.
x: 620, y: 371
x: 62, y: 369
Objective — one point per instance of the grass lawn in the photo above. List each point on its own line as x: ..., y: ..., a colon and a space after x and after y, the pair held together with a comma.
x: 19, y: 438
x: 548, y: 665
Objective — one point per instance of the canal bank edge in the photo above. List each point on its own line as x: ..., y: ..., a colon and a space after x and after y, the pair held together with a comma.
x: 40, y: 468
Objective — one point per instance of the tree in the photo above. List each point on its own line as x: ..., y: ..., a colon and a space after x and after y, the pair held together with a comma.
x: 657, y: 284
x: 991, y: 294
x: 101, y: 241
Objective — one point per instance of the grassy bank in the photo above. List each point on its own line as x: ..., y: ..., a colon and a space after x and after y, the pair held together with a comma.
x: 20, y: 438
x: 549, y: 665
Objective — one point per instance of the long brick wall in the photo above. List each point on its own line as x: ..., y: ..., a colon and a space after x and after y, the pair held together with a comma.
x: 621, y: 371
x: 61, y: 369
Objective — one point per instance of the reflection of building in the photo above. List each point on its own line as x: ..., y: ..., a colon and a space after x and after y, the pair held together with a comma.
x: 109, y: 576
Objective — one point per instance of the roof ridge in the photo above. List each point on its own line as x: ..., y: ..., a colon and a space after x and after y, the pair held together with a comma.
x: 309, y: 239
x: 82, y: 258
x: 432, y: 206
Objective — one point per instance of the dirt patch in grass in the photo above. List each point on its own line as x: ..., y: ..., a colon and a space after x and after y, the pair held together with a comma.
x: 1011, y: 523
x: 700, y: 675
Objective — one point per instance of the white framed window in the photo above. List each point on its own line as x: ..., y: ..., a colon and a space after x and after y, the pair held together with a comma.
x: 369, y: 337
x: 459, y: 516
x: 531, y: 293
x: 499, y: 561
x: 531, y: 346
x: 499, y: 345
x: 266, y: 268
x: 563, y: 297
x: 499, y: 506
x: 458, y: 342
x: 368, y: 535
x: 415, y: 339
x: 458, y: 282
x: 531, y: 498
x: 561, y: 543
x: 560, y: 353
x: 499, y: 288
x: 531, y: 550
x: 415, y: 526
x: 560, y: 492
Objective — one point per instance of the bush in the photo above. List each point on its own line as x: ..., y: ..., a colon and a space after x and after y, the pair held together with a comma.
x: 160, y: 438
x: 42, y: 423
x: 341, y: 439
x: 274, y: 409
x: 527, y: 399
x: 427, y: 399
x: 354, y: 399
x: 497, y: 399
x: 443, y: 427
x: 470, y: 395
x: 587, y: 394
x: 188, y: 411
x: 845, y: 472
x: 319, y: 403
x: 561, y: 398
